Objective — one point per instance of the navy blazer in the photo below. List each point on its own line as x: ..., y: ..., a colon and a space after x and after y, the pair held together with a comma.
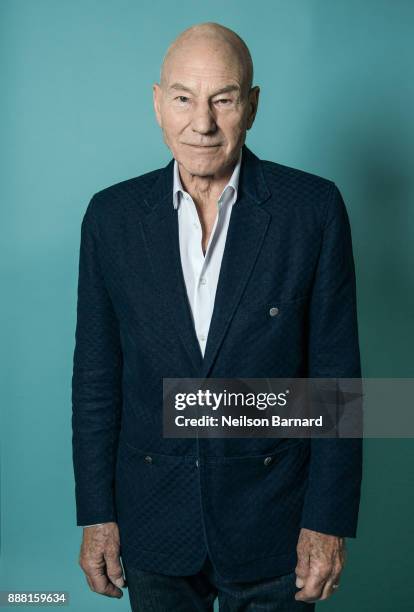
x: 175, y: 500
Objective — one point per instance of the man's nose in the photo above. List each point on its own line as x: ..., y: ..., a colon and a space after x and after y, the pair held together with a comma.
x: 203, y: 120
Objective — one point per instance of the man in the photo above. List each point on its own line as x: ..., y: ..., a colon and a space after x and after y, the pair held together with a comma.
x: 218, y: 265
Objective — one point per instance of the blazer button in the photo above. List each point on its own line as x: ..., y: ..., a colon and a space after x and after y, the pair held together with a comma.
x: 274, y: 311
x: 148, y: 459
x: 268, y: 461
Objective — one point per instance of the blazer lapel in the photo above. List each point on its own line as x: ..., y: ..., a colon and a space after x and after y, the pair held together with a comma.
x: 247, y: 228
x: 161, y: 233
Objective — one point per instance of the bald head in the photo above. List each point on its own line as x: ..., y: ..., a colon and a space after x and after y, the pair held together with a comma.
x: 213, y: 39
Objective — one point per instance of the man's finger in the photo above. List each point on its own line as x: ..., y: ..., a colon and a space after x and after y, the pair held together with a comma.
x: 102, y: 585
x: 89, y: 581
x: 313, y: 587
x: 114, y: 570
x: 334, y: 578
x: 302, y: 568
x: 329, y: 589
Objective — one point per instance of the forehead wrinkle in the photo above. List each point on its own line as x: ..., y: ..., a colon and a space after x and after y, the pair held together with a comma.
x: 225, y: 89
x: 194, y: 81
x: 196, y: 76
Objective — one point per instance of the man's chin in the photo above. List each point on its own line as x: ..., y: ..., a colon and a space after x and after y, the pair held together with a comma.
x: 200, y: 168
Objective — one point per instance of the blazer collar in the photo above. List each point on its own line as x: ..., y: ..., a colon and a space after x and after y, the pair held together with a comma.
x: 251, y: 181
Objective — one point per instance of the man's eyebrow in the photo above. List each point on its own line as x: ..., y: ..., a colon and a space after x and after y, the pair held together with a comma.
x: 225, y: 89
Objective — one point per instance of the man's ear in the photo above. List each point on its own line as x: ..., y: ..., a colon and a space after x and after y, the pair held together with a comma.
x: 157, y: 92
x: 253, y: 105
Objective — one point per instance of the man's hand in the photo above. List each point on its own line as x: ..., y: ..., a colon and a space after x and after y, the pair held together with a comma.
x: 100, y: 560
x: 321, y: 558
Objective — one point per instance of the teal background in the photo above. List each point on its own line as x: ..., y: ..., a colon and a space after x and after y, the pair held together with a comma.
x: 337, y: 99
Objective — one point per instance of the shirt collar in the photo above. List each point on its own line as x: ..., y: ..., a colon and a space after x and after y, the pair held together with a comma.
x: 232, y: 185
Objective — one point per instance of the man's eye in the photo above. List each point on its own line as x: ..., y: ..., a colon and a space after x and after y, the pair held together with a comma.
x: 182, y: 98
x: 225, y: 100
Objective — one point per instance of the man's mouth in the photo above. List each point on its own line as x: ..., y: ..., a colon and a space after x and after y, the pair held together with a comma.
x: 202, y: 146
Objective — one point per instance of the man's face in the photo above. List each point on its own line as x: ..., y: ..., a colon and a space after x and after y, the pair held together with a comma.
x: 203, y: 108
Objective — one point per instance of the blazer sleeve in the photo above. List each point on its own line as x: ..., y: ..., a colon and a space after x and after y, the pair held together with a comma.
x: 335, y: 472
x: 96, y: 384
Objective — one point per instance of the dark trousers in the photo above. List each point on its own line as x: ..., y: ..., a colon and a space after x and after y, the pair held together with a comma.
x: 151, y: 592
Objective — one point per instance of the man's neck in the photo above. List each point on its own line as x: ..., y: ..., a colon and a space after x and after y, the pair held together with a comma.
x: 205, y: 190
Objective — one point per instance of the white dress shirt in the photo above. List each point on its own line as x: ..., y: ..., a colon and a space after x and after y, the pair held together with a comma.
x: 201, y: 272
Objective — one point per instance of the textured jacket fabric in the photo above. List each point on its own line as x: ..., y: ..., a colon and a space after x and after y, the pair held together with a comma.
x: 175, y: 500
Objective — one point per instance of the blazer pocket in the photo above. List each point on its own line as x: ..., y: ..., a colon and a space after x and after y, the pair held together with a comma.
x: 274, y: 309
x: 156, y: 499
